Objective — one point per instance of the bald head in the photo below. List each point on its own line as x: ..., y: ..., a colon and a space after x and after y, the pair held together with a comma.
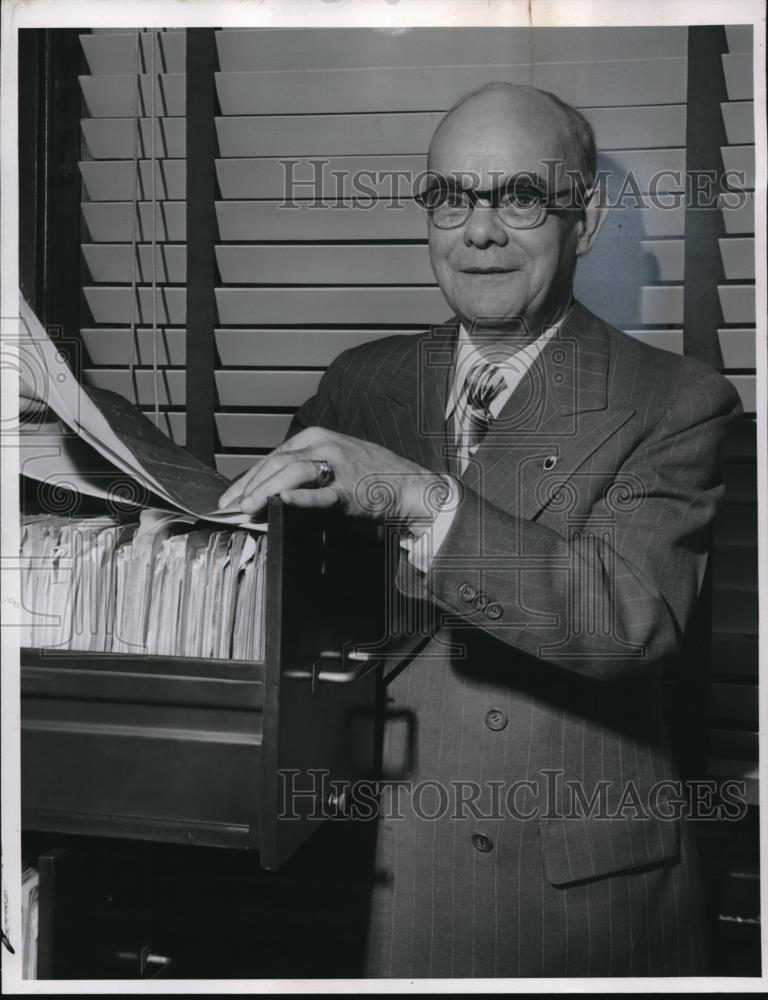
x: 507, y: 263
x: 505, y: 110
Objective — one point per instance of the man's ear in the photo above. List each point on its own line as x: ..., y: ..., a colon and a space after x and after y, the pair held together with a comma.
x: 592, y: 217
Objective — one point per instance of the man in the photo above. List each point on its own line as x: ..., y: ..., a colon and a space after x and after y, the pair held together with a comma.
x: 577, y: 473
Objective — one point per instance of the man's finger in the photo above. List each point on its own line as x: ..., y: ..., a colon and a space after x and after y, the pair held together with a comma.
x: 260, y: 471
x: 235, y: 491
x: 292, y: 475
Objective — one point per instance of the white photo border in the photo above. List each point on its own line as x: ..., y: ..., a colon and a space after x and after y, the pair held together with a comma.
x: 384, y: 14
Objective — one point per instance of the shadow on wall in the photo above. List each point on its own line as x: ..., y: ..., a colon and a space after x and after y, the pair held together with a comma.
x: 610, y: 278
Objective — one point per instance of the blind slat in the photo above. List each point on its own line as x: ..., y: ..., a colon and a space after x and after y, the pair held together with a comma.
x: 666, y: 257
x: 113, y: 180
x: 737, y: 348
x: 232, y: 466
x: 739, y: 37
x: 254, y: 388
x: 403, y: 133
x: 112, y: 262
x: 112, y: 222
x: 588, y: 84
x: 742, y: 160
x: 738, y: 77
x: 170, y: 384
x: 113, y: 305
x: 361, y: 47
x: 300, y: 178
x: 252, y: 430
x: 116, y: 52
x: 738, y: 215
x: 293, y: 306
x: 111, y: 347
x: 117, y: 97
x: 113, y: 138
x: 270, y: 264
x: 359, y: 134
x: 297, y: 305
x: 664, y: 340
x: 170, y: 423
x: 275, y: 348
x: 737, y: 303
x: 738, y: 257
x: 739, y: 121
x: 747, y: 390
x: 663, y: 304
x: 392, y: 264
x: 272, y: 388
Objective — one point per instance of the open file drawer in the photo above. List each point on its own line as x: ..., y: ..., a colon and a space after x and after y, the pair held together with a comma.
x: 214, y: 752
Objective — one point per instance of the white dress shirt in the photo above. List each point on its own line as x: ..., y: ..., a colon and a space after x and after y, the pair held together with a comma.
x: 422, y: 548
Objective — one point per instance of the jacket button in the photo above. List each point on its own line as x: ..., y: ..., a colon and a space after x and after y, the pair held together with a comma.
x: 481, y: 602
x: 467, y: 592
x: 482, y: 843
x: 496, y: 719
x: 494, y: 611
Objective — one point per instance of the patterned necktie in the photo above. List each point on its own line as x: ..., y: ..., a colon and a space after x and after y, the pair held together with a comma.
x: 484, y: 382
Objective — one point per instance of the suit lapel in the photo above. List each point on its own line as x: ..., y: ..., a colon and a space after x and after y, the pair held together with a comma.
x: 555, y: 419
x: 416, y: 395
x: 558, y: 412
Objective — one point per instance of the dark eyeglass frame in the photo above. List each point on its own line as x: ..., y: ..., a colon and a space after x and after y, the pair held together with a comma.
x: 547, y: 202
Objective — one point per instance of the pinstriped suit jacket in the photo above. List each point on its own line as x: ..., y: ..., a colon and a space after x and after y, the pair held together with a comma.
x: 565, y: 582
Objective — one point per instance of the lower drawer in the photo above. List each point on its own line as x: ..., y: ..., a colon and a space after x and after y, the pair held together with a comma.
x: 201, y: 752
x: 142, y: 749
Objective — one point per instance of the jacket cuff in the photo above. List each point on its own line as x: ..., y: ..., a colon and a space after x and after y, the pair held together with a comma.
x: 423, y: 547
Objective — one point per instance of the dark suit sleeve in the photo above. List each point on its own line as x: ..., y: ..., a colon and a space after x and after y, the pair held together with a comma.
x: 617, y: 593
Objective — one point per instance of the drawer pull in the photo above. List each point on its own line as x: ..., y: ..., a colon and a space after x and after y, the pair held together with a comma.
x: 335, y: 667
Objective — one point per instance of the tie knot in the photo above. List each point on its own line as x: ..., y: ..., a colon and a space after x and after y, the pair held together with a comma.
x: 484, y: 382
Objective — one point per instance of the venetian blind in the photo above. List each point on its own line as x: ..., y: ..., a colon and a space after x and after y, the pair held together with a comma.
x: 296, y: 285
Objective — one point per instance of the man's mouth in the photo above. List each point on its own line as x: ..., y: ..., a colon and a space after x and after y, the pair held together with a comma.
x: 487, y: 270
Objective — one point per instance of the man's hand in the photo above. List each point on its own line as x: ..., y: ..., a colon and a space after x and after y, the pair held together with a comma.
x: 368, y: 481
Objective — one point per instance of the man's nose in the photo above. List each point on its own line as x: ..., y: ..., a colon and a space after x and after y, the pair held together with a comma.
x: 484, y: 228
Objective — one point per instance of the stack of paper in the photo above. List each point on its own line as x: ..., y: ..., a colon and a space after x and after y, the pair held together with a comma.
x: 156, y: 587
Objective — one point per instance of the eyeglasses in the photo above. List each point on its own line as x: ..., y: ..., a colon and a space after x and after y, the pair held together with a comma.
x: 517, y: 206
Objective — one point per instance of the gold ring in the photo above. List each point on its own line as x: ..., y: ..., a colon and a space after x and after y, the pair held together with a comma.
x: 324, y: 472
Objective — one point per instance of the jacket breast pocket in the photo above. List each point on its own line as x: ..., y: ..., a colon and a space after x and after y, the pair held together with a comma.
x: 578, y: 850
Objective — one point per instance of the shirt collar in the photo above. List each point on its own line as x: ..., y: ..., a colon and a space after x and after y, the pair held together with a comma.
x: 514, y: 366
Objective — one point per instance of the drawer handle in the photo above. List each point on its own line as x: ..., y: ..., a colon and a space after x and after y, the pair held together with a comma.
x: 145, y: 962
x: 354, y: 665
x: 361, y: 664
